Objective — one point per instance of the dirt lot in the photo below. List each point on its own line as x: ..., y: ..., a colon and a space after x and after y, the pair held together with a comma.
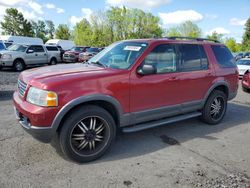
x: 184, y: 154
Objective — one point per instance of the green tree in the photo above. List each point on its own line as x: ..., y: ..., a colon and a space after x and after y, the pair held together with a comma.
x: 215, y: 36
x: 39, y: 29
x: 63, y: 32
x: 186, y: 29
x: 83, y: 33
x: 50, y: 29
x: 246, y: 37
x: 14, y: 24
x: 232, y: 45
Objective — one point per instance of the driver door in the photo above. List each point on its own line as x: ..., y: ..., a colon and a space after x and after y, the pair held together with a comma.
x: 157, y: 95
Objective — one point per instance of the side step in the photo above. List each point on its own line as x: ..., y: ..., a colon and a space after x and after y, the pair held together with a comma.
x: 160, y: 122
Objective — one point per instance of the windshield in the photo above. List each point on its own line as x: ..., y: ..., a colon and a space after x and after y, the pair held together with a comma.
x: 120, y: 55
x: 92, y: 50
x: 243, y: 62
x: 18, y: 48
x: 77, y: 49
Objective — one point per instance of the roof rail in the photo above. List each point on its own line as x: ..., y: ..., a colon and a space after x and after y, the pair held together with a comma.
x: 192, y: 38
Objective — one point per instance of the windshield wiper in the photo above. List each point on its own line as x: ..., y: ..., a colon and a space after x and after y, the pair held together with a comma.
x: 98, y: 63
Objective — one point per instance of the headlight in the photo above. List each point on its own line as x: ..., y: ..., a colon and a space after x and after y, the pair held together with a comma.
x: 42, y: 98
x: 6, y: 56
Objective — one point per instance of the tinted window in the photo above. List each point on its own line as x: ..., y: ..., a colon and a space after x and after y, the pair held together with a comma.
x: 36, y: 48
x: 92, y: 50
x: 8, y: 44
x: 52, y: 48
x: 192, y: 57
x: 223, y: 56
x: 2, y: 46
x: 163, y: 57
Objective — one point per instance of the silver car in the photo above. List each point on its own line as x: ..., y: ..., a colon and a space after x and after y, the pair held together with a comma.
x: 243, y: 65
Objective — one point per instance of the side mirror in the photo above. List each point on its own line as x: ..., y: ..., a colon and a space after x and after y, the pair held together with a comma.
x: 146, y: 70
x: 30, y: 51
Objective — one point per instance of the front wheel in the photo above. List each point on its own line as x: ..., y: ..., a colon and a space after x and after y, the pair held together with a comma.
x: 53, y: 61
x: 19, y: 65
x: 87, y: 133
x: 214, y: 108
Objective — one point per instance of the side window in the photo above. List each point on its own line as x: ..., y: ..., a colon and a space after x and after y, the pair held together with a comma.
x: 192, y: 57
x: 223, y: 56
x: 52, y: 48
x: 39, y: 49
x: 163, y: 57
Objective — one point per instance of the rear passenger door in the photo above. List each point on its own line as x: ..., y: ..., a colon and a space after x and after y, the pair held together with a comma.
x: 196, y: 75
x: 40, y: 54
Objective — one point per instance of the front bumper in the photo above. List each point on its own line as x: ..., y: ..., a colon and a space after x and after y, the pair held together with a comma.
x: 42, y: 134
x: 6, y: 63
x: 36, y: 120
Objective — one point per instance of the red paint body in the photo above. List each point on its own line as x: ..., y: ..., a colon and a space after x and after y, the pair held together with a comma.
x: 132, y: 91
x: 246, y: 80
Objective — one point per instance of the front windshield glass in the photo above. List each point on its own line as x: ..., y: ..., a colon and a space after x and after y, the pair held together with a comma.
x: 243, y: 62
x: 92, y: 50
x: 18, y: 48
x: 77, y: 49
x: 120, y: 55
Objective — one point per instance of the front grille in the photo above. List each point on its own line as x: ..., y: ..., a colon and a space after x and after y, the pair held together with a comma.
x: 21, y: 87
x: 66, y: 55
x: 72, y: 55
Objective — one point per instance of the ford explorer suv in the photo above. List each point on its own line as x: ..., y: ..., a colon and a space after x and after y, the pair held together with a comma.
x: 129, y: 86
x: 19, y: 56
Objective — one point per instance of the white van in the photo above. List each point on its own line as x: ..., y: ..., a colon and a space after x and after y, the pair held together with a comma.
x: 65, y: 44
x: 8, y: 40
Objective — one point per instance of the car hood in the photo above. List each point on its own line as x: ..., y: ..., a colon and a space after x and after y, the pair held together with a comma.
x: 243, y: 68
x: 9, y: 52
x: 53, y: 73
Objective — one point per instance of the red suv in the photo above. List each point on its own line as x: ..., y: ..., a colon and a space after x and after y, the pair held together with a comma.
x: 129, y: 86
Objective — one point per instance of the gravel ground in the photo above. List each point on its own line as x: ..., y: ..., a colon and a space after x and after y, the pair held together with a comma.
x: 183, y: 154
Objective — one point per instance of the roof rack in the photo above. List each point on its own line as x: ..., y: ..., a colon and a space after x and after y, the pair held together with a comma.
x: 192, y: 38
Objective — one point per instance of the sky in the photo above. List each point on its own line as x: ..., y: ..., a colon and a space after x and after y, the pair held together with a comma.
x: 223, y: 16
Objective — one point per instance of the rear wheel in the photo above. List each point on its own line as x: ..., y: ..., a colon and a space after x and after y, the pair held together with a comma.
x: 87, y: 133
x: 19, y: 65
x: 53, y: 61
x: 214, y: 108
x: 245, y: 89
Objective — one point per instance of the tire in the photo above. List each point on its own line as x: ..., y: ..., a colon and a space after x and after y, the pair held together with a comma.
x: 215, y: 108
x: 19, y: 65
x: 87, y: 133
x: 245, y: 89
x: 53, y: 61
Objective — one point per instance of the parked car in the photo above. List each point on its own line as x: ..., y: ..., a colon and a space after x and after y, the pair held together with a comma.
x: 9, y: 40
x: 246, y: 81
x: 246, y: 55
x: 243, y: 66
x: 72, y: 55
x: 20, y: 56
x: 64, y: 44
x: 90, y: 52
x: 131, y: 85
x: 239, y: 56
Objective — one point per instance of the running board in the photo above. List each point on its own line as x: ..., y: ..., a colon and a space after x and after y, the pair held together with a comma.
x: 160, y: 122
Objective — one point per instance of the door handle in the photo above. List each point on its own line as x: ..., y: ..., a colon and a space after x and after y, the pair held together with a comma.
x: 36, y: 54
x: 172, y: 78
x: 44, y: 54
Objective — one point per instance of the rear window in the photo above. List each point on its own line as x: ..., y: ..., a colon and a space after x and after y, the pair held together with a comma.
x: 223, y: 56
x: 52, y: 48
x: 192, y: 57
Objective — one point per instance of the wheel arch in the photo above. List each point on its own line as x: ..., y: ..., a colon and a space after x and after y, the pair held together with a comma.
x: 220, y: 85
x: 20, y: 59
x: 107, y: 102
